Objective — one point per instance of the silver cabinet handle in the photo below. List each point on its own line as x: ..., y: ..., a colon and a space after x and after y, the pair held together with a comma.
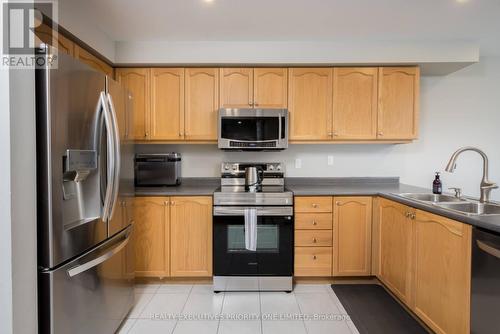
x: 488, y: 249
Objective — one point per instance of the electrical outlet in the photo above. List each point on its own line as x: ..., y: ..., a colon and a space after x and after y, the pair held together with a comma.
x: 330, y: 160
x: 298, y: 163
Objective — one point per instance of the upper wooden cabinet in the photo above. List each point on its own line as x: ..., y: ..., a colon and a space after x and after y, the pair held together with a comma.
x: 151, y: 236
x: 44, y: 34
x: 395, y: 248
x: 352, y: 227
x: 94, y: 62
x: 191, y: 232
x: 202, y: 103
x: 355, y: 103
x: 138, y: 82
x: 167, y: 104
x: 442, y: 273
x: 398, y: 102
x: 236, y: 87
x: 270, y: 87
x: 310, y: 103
x: 253, y: 87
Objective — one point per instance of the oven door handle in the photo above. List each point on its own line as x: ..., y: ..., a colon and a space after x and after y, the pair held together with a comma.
x: 488, y: 249
x: 261, y: 211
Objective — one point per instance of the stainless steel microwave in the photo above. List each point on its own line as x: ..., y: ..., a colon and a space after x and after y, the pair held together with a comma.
x: 253, y: 129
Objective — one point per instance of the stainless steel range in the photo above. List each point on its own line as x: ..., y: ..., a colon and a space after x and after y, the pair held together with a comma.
x: 253, y: 229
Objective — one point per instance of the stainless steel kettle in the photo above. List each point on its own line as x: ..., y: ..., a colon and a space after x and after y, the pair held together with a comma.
x: 253, y: 178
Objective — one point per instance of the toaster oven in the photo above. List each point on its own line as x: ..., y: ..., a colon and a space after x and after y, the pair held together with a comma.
x: 156, y: 170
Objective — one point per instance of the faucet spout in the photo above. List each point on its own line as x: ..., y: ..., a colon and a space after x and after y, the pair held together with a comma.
x: 486, y: 186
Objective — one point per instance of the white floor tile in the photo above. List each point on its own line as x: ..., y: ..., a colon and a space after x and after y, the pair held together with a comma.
x: 174, y: 288
x: 327, y: 327
x: 278, y: 303
x: 203, y: 303
x: 148, y: 326
x: 146, y: 288
x: 337, y: 302
x: 141, y: 300
x: 126, y: 326
x: 312, y: 288
x: 241, y: 303
x: 196, y: 327
x: 283, y: 327
x: 164, y: 304
x: 239, y: 327
x: 203, y: 288
x: 316, y: 303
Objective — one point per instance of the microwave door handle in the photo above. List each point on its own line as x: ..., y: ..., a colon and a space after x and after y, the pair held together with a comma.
x: 102, y: 112
x: 116, y: 155
x: 279, y: 128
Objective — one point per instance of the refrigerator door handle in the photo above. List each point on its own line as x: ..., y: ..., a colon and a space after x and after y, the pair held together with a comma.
x: 117, y: 156
x: 102, y: 107
x: 102, y: 258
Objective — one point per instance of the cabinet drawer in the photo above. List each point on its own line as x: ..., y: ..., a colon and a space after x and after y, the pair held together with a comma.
x: 313, y: 238
x: 313, y: 261
x: 313, y: 204
x: 313, y: 221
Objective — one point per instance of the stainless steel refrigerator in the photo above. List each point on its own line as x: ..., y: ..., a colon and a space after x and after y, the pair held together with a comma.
x: 85, y: 184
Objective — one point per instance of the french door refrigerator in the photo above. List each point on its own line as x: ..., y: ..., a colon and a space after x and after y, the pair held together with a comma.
x: 84, y: 183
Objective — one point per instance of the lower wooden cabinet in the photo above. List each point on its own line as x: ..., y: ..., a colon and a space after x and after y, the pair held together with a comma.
x: 173, y: 236
x: 352, y: 230
x: 395, y: 248
x: 442, y: 267
x: 191, y: 236
x: 313, y: 261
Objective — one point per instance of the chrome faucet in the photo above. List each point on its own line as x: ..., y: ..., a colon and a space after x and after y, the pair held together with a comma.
x: 486, y: 185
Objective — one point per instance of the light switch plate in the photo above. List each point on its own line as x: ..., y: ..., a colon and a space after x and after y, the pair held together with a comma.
x: 298, y: 163
x: 330, y: 160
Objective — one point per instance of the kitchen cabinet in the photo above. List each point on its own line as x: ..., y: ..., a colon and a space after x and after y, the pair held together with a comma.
x: 352, y: 226
x: 398, y: 98
x: 202, y: 104
x: 310, y: 93
x: 167, y: 104
x: 236, y: 87
x: 191, y: 233
x: 94, y: 62
x: 355, y: 103
x: 151, y: 236
x: 253, y: 87
x: 313, y: 236
x: 137, y: 82
x: 395, y: 242
x: 442, y: 272
x: 270, y: 88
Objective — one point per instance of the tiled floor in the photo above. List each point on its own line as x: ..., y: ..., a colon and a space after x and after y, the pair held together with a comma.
x: 190, y: 309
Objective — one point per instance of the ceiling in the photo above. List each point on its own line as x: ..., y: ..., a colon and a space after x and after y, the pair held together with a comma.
x: 300, y: 20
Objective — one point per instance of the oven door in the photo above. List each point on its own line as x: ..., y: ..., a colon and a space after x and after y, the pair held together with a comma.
x: 274, y: 254
x: 241, y: 129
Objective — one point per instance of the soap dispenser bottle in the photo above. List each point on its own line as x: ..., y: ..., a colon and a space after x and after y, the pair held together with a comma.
x: 437, y: 186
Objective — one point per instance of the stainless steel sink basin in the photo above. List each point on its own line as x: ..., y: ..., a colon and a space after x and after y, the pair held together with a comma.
x: 432, y: 198
x: 472, y: 208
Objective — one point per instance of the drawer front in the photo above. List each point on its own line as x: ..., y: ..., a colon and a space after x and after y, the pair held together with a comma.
x: 313, y: 204
x: 313, y: 238
x: 313, y: 261
x: 313, y: 221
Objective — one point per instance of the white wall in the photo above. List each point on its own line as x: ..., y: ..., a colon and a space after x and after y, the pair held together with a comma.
x: 456, y: 110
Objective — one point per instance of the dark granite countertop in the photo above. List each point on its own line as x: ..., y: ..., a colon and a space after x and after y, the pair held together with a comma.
x: 389, y: 188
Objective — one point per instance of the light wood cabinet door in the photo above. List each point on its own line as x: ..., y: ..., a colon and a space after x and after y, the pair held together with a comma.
x: 137, y: 81
x: 313, y: 238
x: 442, y: 273
x: 191, y: 232
x: 398, y: 102
x: 395, y: 247
x: 313, y: 261
x: 352, y: 227
x: 313, y: 204
x: 167, y: 104
x: 236, y: 87
x: 313, y: 221
x: 94, y: 62
x: 355, y: 103
x: 151, y: 236
x: 270, y: 87
x: 310, y: 103
x: 202, y: 103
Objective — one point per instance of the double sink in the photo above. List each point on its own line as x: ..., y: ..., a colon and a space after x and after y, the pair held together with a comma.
x: 455, y: 204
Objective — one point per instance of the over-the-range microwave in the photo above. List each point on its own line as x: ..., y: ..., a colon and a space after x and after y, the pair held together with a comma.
x: 253, y: 129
